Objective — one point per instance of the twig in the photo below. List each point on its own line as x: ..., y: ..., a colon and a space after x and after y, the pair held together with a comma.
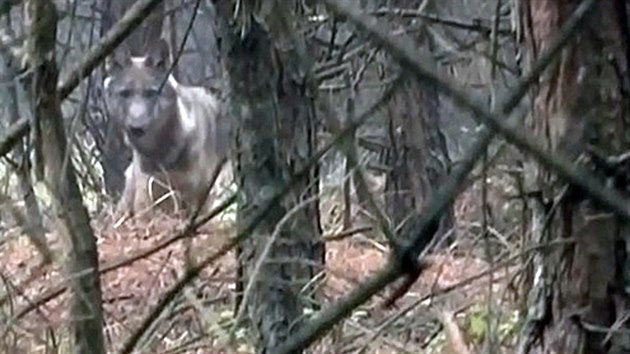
x: 12, y: 135
x: 476, y: 25
x: 347, y: 233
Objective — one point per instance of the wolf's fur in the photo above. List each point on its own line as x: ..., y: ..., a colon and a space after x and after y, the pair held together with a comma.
x: 185, y: 131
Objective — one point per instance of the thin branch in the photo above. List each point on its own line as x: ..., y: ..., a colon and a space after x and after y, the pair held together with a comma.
x: 476, y: 25
x: 123, y: 28
x: 12, y: 135
x: 180, y: 50
x: 129, y: 22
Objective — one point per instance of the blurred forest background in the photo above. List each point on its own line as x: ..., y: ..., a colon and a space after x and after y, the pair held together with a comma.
x: 408, y: 176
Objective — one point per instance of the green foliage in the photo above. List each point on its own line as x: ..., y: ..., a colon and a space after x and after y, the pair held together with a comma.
x: 477, y: 324
x: 222, y: 324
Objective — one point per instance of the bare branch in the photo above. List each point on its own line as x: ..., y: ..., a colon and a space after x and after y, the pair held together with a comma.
x: 12, y: 135
x: 476, y: 25
x: 129, y: 22
x: 72, y: 220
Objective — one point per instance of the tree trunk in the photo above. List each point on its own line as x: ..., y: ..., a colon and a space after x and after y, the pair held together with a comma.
x: 578, y: 290
x: 72, y: 217
x: 273, y: 112
x: 33, y: 224
x: 417, y: 155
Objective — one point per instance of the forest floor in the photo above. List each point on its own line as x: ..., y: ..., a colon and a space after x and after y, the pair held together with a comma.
x: 34, y: 305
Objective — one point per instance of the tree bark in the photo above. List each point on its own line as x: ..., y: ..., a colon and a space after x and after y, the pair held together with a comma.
x: 273, y: 112
x: 417, y: 154
x: 578, y: 291
x: 72, y: 217
x: 33, y: 224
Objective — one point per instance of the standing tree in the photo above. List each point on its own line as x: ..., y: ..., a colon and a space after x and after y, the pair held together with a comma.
x: 33, y: 223
x: 272, y: 108
x: 417, y: 153
x: 72, y: 218
x: 417, y: 156
x: 580, y: 108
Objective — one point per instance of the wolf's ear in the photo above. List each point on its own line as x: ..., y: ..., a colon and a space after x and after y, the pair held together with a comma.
x: 119, y: 59
x: 157, y: 56
x: 107, y: 82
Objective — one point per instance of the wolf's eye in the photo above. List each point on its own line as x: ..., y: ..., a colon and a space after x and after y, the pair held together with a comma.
x: 150, y: 93
x: 125, y: 93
